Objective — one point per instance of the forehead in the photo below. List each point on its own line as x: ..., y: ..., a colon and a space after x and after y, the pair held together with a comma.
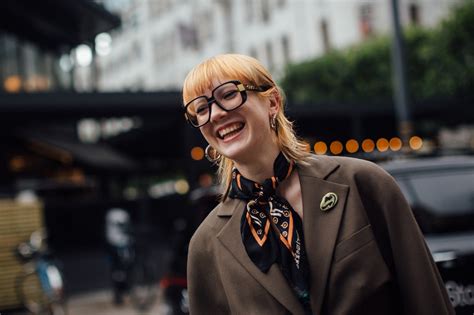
x: 217, y: 88
x: 207, y: 84
x: 203, y: 80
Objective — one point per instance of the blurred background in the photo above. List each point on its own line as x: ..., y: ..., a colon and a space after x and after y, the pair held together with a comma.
x: 91, y: 123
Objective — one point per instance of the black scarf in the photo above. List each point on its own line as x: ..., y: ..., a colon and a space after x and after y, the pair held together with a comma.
x: 272, y: 232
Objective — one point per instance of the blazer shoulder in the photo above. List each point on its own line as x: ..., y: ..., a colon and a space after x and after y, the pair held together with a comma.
x: 331, y: 167
x: 365, y: 175
x: 362, y: 169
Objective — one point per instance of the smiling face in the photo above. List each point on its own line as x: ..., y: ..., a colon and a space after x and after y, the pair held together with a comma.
x: 244, y: 133
x: 243, y: 137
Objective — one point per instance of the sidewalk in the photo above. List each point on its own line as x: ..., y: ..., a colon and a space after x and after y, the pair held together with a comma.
x: 100, y: 303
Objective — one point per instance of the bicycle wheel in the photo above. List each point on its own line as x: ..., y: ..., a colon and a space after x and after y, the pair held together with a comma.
x: 30, y: 293
x: 34, y: 298
x: 143, y: 289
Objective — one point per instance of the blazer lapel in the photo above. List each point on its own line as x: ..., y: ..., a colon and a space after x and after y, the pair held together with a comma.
x: 320, y: 227
x: 273, y: 281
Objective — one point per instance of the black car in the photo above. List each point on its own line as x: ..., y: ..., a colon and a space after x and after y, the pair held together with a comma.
x: 441, y: 193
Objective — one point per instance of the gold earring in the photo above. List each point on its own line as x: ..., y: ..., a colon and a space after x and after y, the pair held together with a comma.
x: 273, y: 123
x: 211, y: 154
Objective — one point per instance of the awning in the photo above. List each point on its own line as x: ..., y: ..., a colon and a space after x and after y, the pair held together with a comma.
x: 56, y: 25
x: 63, y: 148
x: 53, y: 104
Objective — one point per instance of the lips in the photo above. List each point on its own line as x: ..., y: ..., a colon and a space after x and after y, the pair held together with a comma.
x: 229, y: 130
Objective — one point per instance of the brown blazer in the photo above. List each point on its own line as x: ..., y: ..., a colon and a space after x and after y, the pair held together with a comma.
x: 352, y: 271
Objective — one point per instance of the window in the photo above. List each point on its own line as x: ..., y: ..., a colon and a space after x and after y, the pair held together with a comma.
x: 25, y: 67
x: 9, y: 53
x: 414, y: 13
x: 366, y: 20
x: 441, y: 200
x: 188, y: 35
x: 265, y: 5
x: 325, y: 35
x: 445, y: 193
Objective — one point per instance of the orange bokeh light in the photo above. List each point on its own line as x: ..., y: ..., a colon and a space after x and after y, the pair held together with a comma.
x: 395, y: 144
x: 336, y: 147
x: 197, y: 153
x: 416, y: 143
x: 368, y: 145
x: 382, y: 144
x: 352, y: 146
x: 12, y: 84
x: 320, y: 147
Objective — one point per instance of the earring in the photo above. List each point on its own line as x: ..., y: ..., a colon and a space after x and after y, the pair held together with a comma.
x: 273, y: 123
x: 211, y: 154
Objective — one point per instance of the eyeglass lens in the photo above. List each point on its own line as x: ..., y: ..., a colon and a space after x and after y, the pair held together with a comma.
x: 227, y: 96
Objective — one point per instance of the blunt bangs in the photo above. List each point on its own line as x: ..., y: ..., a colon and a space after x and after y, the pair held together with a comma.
x: 224, y: 67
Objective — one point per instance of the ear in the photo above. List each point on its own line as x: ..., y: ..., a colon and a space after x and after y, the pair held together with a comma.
x: 275, y: 101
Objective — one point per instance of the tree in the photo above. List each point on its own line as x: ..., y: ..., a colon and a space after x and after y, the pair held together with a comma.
x: 440, y: 64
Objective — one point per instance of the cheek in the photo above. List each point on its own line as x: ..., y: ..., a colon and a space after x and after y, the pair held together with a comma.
x: 206, y: 132
x: 261, y: 118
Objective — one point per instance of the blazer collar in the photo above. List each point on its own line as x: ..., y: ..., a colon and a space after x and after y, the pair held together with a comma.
x: 321, y: 228
x: 320, y: 232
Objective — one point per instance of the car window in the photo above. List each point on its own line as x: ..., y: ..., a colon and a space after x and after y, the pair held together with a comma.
x: 444, y: 193
x: 442, y: 200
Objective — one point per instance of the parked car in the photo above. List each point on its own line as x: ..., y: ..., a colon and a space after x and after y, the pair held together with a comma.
x: 441, y: 193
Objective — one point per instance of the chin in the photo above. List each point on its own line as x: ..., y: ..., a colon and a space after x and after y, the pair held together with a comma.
x: 234, y: 155
x: 238, y: 154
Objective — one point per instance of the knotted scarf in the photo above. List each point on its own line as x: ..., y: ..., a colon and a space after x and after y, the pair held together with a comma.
x: 271, y: 230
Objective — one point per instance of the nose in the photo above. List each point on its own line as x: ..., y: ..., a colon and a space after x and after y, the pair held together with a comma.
x: 217, y: 113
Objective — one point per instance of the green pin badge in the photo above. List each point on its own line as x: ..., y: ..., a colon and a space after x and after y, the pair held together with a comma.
x: 328, y: 202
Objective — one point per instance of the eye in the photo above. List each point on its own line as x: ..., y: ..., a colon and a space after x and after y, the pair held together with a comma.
x: 230, y: 94
x: 202, y: 109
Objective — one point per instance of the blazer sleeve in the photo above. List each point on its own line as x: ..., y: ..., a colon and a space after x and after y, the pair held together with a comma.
x: 205, y: 290
x: 402, y: 244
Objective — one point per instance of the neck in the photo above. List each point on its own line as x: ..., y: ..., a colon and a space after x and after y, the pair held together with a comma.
x: 259, y: 167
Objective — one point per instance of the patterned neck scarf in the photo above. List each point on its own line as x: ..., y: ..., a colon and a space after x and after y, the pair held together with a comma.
x: 272, y: 232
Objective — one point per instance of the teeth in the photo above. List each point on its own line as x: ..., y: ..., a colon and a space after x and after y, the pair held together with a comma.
x: 224, y: 132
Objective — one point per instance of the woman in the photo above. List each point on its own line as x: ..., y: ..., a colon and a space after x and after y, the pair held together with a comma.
x: 296, y: 233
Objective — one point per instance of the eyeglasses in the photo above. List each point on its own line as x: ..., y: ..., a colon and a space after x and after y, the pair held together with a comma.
x: 228, y: 96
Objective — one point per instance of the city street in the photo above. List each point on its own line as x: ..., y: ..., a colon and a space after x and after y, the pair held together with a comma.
x: 88, y: 273
x: 87, y: 277
x: 100, y: 303
x: 333, y: 139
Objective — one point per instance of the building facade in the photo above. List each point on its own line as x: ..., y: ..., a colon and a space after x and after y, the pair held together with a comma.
x: 38, y: 42
x: 161, y: 40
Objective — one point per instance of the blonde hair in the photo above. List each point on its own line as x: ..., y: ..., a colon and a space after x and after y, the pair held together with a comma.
x: 247, y: 70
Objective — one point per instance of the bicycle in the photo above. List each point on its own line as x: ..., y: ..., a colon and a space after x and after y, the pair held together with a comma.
x: 40, y: 286
x: 132, y: 265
